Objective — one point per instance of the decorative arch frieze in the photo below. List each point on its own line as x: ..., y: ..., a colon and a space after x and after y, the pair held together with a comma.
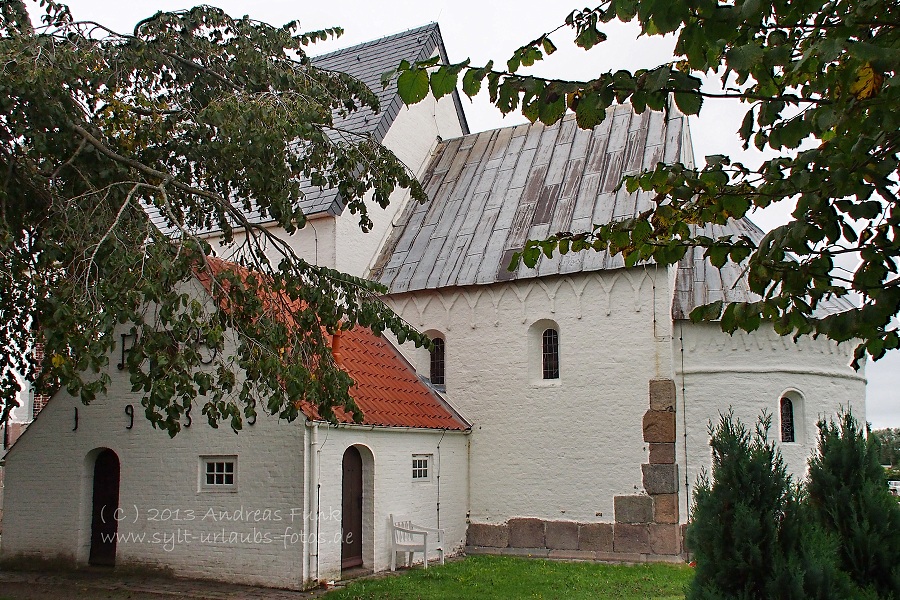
x: 600, y: 288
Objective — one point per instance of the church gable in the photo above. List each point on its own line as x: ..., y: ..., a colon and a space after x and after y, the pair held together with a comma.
x: 366, y: 62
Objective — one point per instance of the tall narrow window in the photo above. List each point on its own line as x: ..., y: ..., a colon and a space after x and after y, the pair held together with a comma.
x: 787, y: 420
x: 437, y: 362
x: 550, y: 352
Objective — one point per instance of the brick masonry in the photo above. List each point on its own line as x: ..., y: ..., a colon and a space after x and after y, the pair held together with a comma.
x: 561, y: 535
x: 629, y: 542
x: 526, y: 533
x: 659, y: 426
x: 662, y: 395
x: 634, y: 509
x: 487, y: 535
x: 660, y: 479
x: 597, y: 537
x: 665, y: 508
x: 662, y: 453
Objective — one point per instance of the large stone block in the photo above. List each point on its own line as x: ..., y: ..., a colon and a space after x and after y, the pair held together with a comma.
x: 631, y: 538
x: 659, y: 426
x: 660, y: 479
x: 597, y: 537
x: 662, y: 454
x: 487, y: 535
x: 665, y: 508
x: 662, y: 395
x: 633, y: 509
x: 526, y: 533
x: 665, y: 539
x: 561, y: 535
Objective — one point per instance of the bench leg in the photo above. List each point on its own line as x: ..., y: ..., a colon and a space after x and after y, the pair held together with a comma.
x: 393, y: 560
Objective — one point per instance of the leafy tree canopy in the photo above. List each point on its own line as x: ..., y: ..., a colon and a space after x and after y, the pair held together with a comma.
x: 889, y: 446
x: 821, y: 82
x: 195, y: 118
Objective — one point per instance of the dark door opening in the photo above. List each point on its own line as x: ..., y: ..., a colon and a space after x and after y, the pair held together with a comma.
x: 351, y: 510
x: 104, y: 525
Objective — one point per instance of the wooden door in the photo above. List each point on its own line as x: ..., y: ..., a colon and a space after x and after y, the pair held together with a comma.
x: 351, y: 510
x: 104, y: 525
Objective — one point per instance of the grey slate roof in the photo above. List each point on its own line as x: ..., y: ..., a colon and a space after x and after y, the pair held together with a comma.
x: 366, y: 62
x: 490, y: 192
x: 698, y: 282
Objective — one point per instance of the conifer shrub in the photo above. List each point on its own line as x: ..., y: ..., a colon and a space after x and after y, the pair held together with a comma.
x: 751, y: 537
x: 848, y: 495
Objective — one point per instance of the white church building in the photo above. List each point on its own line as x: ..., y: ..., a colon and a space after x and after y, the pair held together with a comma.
x: 563, y: 412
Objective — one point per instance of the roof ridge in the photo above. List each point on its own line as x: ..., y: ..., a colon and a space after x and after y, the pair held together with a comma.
x: 566, y: 117
x: 420, y: 29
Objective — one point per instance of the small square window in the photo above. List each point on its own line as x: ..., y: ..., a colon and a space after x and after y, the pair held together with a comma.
x: 421, y: 467
x: 218, y: 473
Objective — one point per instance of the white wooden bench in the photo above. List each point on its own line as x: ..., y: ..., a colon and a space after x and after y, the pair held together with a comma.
x: 409, y: 538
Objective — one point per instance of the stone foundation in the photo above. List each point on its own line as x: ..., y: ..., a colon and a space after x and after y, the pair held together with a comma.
x: 626, y: 542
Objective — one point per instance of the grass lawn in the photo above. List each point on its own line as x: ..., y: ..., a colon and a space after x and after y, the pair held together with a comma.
x: 486, y: 577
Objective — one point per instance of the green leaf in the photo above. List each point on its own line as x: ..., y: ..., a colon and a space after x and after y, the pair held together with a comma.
x: 552, y: 110
x: 590, y: 111
x: 590, y: 37
x: 412, y: 86
x: 707, y: 312
x: 443, y: 82
x: 688, y: 102
x: 743, y: 58
x: 548, y: 46
x: 657, y: 78
x: 387, y: 76
x: 472, y: 82
x: 746, y: 129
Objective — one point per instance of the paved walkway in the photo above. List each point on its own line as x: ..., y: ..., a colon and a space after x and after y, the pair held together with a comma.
x: 101, y: 583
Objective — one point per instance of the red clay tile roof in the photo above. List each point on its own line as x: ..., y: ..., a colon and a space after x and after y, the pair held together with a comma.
x: 387, y: 389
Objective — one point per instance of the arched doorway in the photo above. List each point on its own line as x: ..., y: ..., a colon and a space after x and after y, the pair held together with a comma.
x: 352, y: 509
x: 104, y: 506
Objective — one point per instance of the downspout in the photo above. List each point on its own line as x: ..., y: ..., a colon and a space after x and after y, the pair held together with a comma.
x: 687, y: 483
x: 312, y: 527
x: 307, y: 504
x: 438, y: 475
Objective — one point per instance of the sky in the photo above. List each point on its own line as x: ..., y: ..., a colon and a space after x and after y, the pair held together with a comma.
x: 484, y: 30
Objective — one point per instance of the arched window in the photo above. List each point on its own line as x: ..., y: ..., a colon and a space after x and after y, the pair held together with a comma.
x: 437, y: 361
x: 550, y: 354
x: 787, y: 420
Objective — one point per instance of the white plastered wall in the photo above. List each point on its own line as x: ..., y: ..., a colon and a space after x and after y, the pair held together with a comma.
x: 556, y: 450
x: 750, y: 373
x: 166, y: 518
x: 338, y: 242
x: 412, y: 138
x: 388, y: 488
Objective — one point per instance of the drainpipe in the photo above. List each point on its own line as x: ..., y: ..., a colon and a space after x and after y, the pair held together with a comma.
x: 312, y: 518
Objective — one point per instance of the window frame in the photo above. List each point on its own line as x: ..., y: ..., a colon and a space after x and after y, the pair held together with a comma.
x: 437, y: 360
x: 788, y: 426
x: 213, y: 459
x: 418, y: 468
x: 550, y: 363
